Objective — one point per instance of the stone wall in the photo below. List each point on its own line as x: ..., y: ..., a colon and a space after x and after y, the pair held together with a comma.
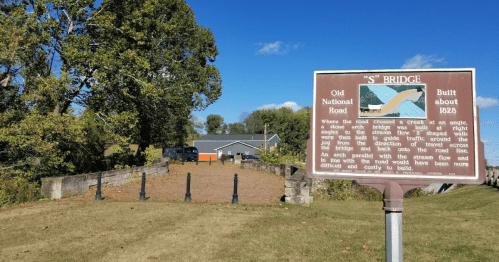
x: 278, y: 169
x: 491, y: 178
x: 298, y: 188
x: 59, y: 187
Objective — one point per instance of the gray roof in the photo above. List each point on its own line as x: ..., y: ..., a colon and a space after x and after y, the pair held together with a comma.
x: 245, y: 137
x: 237, y: 142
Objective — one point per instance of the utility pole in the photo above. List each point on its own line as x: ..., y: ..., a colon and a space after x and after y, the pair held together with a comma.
x: 265, y: 137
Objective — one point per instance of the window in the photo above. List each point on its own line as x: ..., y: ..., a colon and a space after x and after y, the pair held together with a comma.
x: 246, y: 152
x: 228, y: 153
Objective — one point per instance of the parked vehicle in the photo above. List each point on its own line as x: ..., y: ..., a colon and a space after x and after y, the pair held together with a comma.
x: 187, y: 153
x: 248, y: 157
x: 243, y: 156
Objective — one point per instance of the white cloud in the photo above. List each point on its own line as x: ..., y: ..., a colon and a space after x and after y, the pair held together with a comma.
x: 422, y: 62
x: 484, y: 102
x: 292, y: 105
x: 488, y: 123
x: 270, y: 48
x: 276, y: 48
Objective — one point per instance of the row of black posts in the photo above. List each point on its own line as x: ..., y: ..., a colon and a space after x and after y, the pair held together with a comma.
x: 197, y: 161
x: 235, y: 199
x: 98, y: 194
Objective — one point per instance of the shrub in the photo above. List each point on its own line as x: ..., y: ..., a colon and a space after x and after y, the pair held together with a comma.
x: 416, y: 192
x: 152, y: 154
x: 269, y: 156
x: 347, y: 190
x: 272, y: 157
x: 121, y: 157
x: 224, y: 157
x: 17, y: 190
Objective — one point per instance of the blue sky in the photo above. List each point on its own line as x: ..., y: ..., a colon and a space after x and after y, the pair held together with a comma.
x: 269, y: 50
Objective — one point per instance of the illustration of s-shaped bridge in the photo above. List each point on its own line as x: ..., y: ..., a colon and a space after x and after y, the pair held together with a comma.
x: 392, y: 106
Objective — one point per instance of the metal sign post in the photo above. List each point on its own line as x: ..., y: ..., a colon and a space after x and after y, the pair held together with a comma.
x: 393, y: 200
x: 396, y: 130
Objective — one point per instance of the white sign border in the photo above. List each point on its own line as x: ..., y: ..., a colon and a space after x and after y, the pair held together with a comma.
x: 400, y: 176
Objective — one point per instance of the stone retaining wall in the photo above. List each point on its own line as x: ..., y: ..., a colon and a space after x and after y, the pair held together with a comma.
x: 298, y: 188
x: 59, y: 187
x: 491, y: 178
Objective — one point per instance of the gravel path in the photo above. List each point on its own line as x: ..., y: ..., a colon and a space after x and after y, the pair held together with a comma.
x: 209, y: 183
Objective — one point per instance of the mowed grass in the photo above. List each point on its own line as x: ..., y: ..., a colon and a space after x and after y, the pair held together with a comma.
x: 462, y: 225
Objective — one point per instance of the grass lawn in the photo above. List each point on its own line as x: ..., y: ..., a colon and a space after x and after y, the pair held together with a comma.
x: 461, y: 225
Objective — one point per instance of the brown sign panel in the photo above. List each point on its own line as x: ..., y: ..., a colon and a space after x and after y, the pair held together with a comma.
x: 413, y: 127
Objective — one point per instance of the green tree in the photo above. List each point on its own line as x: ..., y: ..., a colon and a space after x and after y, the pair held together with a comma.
x: 152, y: 67
x: 214, y: 124
x: 35, y: 141
x: 237, y: 128
x: 139, y: 67
x: 293, y: 128
x: 224, y: 129
x: 195, y: 126
x: 254, y: 124
x: 296, y: 132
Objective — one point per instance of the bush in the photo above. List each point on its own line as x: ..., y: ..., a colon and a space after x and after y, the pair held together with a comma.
x: 347, y: 190
x: 269, y: 156
x: 416, y: 192
x: 152, y: 154
x: 17, y: 190
x: 121, y: 157
x: 224, y: 157
x: 272, y: 157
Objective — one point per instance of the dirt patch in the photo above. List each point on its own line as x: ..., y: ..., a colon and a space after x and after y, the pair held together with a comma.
x: 209, y: 183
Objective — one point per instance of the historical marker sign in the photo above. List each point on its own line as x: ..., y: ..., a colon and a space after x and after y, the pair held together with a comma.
x: 412, y: 127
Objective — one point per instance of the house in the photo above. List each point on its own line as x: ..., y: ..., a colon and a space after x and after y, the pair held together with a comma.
x: 215, y: 145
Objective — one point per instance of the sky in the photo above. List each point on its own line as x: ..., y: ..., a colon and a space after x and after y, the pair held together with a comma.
x: 269, y: 50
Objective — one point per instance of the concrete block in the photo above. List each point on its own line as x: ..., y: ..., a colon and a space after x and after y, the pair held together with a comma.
x: 305, y: 191
x: 304, y: 184
x: 289, y: 191
x: 296, y: 200
x: 308, y: 200
x: 51, y: 187
x: 290, y: 183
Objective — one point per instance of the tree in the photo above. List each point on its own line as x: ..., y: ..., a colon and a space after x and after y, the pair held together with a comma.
x: 293, y: 128
x: 214, y: 124
x: 224, y: 129
x: 296, y: 132
x: 195, y: 126
x: 151, y: 65
x: 236, y: 128
x: 243, y: 116
x: 139, y: 67
x: 254, y: 124
x: 37, y: 137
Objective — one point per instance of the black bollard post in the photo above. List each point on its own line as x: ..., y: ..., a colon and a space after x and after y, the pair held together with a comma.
x: 182, y: 161
x: 143, y: 187
x: 98, y: 195
x: 210, y: 160
x: 188, y: 191
x: 235, y: 199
